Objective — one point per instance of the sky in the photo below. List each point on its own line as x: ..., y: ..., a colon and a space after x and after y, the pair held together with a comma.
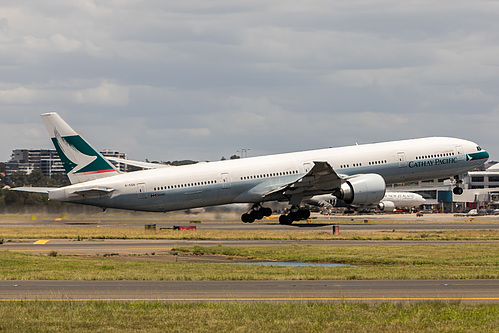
x: 199, y: 79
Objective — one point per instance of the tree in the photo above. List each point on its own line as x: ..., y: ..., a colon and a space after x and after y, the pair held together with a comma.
x: 18, y: 179
x: 36, y: 178
x: 60, y: 179
x: 182, y: 162
x: 15, y: 198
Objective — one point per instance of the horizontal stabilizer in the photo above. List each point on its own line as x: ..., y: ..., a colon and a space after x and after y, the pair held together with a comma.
x: 34, y: 189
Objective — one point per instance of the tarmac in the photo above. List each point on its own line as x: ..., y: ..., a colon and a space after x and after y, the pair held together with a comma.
x: 473, y: 291
x: 469, y: 291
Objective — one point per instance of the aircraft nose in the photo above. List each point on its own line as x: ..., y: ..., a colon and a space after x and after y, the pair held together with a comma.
x: 479, y: 155
x: 484, y: 154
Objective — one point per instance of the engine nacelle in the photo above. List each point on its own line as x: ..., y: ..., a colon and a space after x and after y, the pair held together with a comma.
x: 362, y: 189
x: 386, y: 206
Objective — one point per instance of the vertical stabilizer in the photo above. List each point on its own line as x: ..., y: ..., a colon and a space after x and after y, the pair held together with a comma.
x: 81, y: 161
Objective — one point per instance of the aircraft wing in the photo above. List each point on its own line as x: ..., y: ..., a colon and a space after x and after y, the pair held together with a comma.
x: 34, y: 189
x: 143, y: 165
x: 321, y: 177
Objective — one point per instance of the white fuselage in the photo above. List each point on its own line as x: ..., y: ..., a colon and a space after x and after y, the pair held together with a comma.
x: 400, y: 200
x: 404, y: 200
x: 249, y: 180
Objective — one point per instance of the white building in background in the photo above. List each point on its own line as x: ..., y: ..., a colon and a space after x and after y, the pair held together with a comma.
x: 481, y: 190
x: 48, y: 161
x: 483, y: 179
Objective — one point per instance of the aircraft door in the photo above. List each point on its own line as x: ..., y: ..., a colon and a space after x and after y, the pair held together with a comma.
x: 225, y: 180
x: 307, y: 166
x: 460, y: 153
x: 402, y: 160
x: 141, y: 191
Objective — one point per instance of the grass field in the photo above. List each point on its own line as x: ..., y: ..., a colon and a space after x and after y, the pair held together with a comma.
x: 371, y: 262
x: 246, y: 317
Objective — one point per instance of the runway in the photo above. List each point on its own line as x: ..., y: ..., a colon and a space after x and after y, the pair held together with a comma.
x: 211, y: 221
x: 141, y: 246
x: 472, y: 291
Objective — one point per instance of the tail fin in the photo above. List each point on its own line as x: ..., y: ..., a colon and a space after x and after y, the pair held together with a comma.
x: 81, y: 161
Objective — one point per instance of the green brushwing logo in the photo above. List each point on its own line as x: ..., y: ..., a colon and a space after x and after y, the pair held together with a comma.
x: 78, y: 156
x: 477, y: 156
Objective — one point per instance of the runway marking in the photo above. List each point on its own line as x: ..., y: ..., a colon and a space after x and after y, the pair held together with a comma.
x: 96, y: 249
x: 42, y: 241
x: 275, y: 299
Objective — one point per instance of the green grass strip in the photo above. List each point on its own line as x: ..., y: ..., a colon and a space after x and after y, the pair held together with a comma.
x: 247, y: 317
x: 376, y: 262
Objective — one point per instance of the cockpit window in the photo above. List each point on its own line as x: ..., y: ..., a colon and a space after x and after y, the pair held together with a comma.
x: 478, y: 148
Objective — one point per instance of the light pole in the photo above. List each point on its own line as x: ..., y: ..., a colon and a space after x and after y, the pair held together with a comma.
x: 244, y: 152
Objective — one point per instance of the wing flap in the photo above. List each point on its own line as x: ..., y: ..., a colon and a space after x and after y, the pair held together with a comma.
x: 96, y: 191
x: 321, y: 178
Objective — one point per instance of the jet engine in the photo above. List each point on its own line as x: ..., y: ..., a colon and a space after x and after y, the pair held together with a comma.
x: 386, y: 206
x: 362, y: 189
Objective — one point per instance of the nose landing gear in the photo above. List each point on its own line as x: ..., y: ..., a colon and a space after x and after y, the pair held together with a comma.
x: 458, y: 190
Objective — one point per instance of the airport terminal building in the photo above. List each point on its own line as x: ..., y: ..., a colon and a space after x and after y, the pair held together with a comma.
x: 481, y: 191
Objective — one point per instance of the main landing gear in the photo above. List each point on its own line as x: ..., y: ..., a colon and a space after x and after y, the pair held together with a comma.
x: 458, y: 190
x: 296, y: 214
x: 256, y: 213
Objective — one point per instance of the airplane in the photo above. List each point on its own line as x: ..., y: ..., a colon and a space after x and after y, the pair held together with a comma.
x: 356, y: 174
x: 390, y: 202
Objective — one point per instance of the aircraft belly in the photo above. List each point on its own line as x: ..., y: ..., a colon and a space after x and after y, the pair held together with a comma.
x: 163, y: 201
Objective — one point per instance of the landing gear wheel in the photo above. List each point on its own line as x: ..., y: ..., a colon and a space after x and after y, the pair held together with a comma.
x: 248, y: 218
x: 458, y: 190
x: 285, y: 219
x: 266, y: 211
x: 256, y: 213
x: 293, y: 216
x: 304, y: 214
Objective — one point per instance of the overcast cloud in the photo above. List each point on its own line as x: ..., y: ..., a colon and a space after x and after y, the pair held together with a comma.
x: 192, y: 79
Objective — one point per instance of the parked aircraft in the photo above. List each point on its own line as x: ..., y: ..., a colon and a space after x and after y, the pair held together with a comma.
x: 390, y: 202
x: 355, y: 174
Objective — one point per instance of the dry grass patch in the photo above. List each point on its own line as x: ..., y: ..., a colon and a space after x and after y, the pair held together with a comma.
x: 96, y: 232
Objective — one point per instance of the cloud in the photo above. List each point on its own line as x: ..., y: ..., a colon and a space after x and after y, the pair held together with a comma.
x: 197, y: 79
x: 105, y: 94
